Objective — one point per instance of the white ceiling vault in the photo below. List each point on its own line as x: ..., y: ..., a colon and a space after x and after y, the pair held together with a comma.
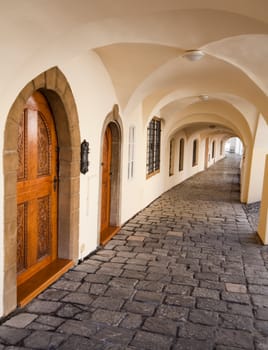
x: 142, y: 42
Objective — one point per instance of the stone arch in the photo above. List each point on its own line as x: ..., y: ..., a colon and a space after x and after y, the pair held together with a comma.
x: 54, y: 86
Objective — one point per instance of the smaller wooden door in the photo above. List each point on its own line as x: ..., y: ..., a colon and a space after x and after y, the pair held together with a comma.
x: 36, y: 189
x: 206, y: 153
x: 106, y: 184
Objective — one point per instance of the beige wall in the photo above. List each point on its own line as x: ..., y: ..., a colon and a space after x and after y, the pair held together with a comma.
x: 260, y: 150
x: 263, y: 219
x: 95, y: 98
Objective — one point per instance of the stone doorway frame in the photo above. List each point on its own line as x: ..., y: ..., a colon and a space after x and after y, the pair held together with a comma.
x: 55, y: 87
x: 114, y: 121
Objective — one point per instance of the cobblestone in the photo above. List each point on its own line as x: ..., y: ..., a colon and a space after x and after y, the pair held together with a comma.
x: 68, y: 311
x: 83, y: 328
x: 192, y: 344
x: 115, y: 335
x: 161, y: 325
x: 181, y: 300
x: 20, y: 321
x: 11, y: 335
x: 237, y: 322
x: 204, y: 317
x: 186, y: 273
x: 147, y: 340
x: 173, y: 312
x: 206, y: 293
x: 43, y: 307
x: 124, y: 293
x: 236, y: 297
x: 234, y: 338
x: 149, y: 297
x: 108, y: 303
x: 44, y: 340
x: 80, y: 343
x: 262, y: 326
x: 132, y: 321
x: 196, y: 331
x: 111, y: 318
x: 144, y: 309
x: 78, y: 298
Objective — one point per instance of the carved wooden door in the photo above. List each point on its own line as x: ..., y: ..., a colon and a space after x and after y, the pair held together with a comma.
x: 106, y: 183
x: 36, y: 189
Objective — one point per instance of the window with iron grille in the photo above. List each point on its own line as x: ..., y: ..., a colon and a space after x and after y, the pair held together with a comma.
x: 153, y: 147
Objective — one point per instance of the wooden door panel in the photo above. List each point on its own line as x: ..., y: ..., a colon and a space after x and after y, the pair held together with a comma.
x: 29, y: 190
x: 22, y: 236
x: 31, y: 233
x: 36, y: 193
x: 44, y: 226
x: 22, y: 163
x: 43, y: 149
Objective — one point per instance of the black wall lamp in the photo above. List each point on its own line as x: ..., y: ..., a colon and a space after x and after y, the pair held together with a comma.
x: 84, y: 163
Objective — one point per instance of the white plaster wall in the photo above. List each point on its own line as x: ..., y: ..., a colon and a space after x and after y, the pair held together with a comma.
x: 178, y: 176
x: 133, y: 188
x: 211, y: 160
x: 263, y: 227
x: 188, y: 169
x: 154, y: 186
x: 192, y: 170
x: 94, y: 96
x: 1, y: 217
x: 1, y: 241
x: 217, y: 155
x: 260, y: 150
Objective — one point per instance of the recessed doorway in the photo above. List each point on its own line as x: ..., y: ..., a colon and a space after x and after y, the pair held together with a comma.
x: 110, y: 185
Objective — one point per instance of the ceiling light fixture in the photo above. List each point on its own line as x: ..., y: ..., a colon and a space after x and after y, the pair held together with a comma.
x: 203, y: 97
x: 193, y: 55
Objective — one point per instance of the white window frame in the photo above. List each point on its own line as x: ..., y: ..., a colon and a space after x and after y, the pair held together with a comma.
x: 131, y: 152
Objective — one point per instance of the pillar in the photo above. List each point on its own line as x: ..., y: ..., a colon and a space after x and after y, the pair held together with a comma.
x: 263, y: 220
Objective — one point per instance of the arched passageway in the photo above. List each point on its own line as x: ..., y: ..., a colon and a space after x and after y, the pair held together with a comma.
x: 187, y: 271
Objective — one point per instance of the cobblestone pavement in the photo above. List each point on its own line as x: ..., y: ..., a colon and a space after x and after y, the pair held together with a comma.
x: 186, y: 273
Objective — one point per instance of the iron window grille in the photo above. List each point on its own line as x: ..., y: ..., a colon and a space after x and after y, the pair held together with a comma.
x: 153, y: 147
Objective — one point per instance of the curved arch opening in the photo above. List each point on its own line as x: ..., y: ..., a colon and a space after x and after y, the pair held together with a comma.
x: 234, y: 145
x: 55, y: 88
x: 110, y: 189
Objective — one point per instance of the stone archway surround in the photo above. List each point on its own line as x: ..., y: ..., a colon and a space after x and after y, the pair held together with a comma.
x: 55, y: 87
x: 113, y: 120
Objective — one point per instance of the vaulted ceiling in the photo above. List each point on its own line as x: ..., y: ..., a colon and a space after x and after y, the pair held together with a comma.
x: 141, y: 43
